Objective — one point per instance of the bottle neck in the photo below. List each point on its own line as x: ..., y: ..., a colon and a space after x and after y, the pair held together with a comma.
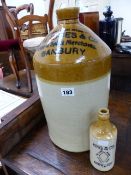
x: 105, y: 125
x: 103, y: 116
x: 103, y: 121
x: 69, y: 21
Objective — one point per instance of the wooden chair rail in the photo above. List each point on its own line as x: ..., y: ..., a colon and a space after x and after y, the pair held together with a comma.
x: 28, y: 7
x: 31, y: 18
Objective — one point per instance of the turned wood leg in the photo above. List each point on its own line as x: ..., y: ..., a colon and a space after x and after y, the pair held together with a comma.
x: 13, y: 64
x: 5, y: 170
x: 27, y: 66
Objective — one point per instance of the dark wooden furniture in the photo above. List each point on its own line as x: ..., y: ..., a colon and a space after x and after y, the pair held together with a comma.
x: 5, y: 31
x: 91, y: 20
x: 36, y: 154
x: 13, y: 22
x: 16, y: 26
x: 28, y: 7
x: 50, y: 14
x: 25, y: 114
x: 7, y: 84
x: 121, y: 72
x: 30, y: 25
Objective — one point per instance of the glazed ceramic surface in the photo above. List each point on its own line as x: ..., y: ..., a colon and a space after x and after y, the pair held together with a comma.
x: 72, y: 69
x: 103, y: 136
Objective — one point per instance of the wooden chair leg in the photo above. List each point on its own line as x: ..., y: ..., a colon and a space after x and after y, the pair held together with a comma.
x: 5, y: 170
x: 27, y: 66
x: 13, y: 64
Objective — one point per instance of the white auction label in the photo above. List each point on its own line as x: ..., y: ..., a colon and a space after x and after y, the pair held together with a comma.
x: 103, y: 142
x: 67, y: 92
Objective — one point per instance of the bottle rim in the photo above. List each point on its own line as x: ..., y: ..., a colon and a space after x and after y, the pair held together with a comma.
x: 103, y: 113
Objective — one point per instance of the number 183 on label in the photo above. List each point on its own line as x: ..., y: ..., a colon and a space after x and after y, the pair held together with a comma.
x: 67, y: 92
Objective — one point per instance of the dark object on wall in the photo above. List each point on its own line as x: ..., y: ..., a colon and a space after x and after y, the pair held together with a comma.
x: 107, y: 28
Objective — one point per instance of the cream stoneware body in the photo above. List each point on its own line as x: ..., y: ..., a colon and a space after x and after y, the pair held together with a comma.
x: 72, y: 68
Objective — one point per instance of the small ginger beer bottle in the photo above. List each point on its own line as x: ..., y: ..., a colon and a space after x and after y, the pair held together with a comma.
x: 103, y: 135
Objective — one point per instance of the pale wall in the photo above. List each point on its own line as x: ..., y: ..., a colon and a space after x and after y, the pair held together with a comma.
x: 122, y: 8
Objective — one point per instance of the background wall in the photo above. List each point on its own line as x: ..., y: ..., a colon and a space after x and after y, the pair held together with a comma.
x: 120, y: 8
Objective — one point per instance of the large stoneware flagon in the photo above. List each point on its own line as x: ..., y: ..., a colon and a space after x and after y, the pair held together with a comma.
x: 72, y: 67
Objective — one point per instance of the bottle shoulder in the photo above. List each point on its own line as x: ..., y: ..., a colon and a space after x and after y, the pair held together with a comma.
x: 72, y: 43
x: 103, y: 131
x: 72, y: 53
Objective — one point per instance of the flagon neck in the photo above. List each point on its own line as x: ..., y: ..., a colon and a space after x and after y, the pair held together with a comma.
x: 68, y: 21
x: 71, y: 13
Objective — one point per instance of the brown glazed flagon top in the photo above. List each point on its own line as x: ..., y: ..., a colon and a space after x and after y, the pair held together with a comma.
x: 71, y: 52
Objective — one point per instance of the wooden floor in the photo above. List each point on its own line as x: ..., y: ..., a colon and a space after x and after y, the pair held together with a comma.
x: 8, y: 84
